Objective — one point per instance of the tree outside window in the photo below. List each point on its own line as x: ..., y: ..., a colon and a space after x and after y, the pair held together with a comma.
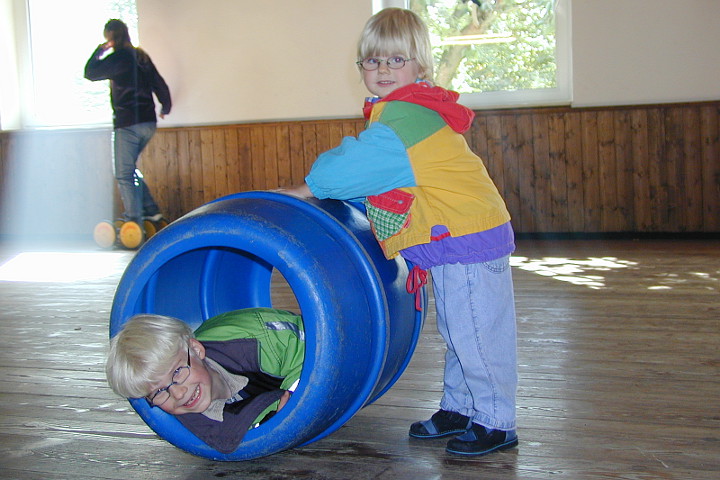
x: 504, y: 47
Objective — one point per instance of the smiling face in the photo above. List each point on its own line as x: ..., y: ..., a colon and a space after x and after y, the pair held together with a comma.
x: 384, y: 80
x: 395, y: 32
x: 201, y: 387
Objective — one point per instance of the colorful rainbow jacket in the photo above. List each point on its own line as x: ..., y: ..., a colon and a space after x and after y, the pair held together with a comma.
x: 413, y: 169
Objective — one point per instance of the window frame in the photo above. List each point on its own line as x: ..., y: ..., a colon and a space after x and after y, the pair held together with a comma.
x: 560, y: 95
x: 23, y: 99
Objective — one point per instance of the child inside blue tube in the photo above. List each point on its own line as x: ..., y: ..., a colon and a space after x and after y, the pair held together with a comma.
x: 233, y: 373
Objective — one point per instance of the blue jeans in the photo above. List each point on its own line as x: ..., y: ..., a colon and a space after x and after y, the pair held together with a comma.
x: 128, y: 144
x: 476, y: 318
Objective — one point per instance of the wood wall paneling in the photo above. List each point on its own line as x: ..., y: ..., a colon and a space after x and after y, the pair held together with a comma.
x: 710, y: 137
x: 56, y: 182
x: 527, y: 209
x: 573, y: 162
x: 641, y: 169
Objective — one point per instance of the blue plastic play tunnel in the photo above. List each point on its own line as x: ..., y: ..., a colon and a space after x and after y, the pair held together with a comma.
x: 361, y: 325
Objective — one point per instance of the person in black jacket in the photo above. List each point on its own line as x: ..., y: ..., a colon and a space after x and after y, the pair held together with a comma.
x: 133, y: 81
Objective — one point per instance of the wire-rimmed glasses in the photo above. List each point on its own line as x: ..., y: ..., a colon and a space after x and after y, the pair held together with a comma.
x: 373, y: 63
x: 179, y: 376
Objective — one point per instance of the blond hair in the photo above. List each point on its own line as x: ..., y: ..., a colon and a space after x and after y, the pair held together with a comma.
x: 396, y: 31
x: 143, y: 351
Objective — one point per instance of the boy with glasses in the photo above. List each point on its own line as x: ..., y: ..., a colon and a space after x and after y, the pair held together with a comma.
x: 233, y: 373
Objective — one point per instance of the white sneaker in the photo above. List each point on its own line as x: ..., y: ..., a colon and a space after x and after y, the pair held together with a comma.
x: 154, y: 218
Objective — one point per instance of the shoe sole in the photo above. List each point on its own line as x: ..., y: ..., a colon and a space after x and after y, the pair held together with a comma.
x: 502, y: 446
x: 438, y: 435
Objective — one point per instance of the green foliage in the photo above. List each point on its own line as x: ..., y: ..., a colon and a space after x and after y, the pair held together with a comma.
x: 526, y: 62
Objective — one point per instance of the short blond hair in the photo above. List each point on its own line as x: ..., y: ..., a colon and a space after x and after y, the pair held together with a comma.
x: 394, y: 31
x: 143, y: 351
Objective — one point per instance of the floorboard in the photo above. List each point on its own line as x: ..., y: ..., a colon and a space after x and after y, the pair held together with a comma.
x: 618, y: 359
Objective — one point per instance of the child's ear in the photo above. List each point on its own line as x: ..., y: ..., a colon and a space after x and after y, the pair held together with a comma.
x: 198, y: 348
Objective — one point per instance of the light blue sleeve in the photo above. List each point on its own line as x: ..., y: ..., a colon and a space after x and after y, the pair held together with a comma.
x: 375, y: 162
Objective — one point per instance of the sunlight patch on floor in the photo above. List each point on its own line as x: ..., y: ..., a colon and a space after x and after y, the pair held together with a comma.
x: 586, y: 272
x: 62, y: 267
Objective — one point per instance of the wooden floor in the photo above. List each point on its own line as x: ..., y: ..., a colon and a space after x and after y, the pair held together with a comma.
x: 619, y: 350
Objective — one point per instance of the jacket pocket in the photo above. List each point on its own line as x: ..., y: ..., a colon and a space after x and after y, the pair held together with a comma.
x: 389, y: 212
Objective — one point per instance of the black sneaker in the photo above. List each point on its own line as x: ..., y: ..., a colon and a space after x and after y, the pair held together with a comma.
x: 479, y: 440
x: 442, y: 424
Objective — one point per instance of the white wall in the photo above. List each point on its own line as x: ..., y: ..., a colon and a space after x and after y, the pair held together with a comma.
x: 241, y: 60
x: 233, y: 61
x: 645, y: 51
x: 11, y: 23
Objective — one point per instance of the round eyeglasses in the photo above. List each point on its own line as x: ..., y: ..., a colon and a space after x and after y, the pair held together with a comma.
x: 179, y: 376
x: 372, y: 63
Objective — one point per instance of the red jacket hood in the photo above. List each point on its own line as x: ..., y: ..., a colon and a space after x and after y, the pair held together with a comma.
x: 444, y: 102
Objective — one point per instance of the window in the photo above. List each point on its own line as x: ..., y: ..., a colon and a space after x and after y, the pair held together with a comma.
x: 499, y: 53
x: 60, y: 38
